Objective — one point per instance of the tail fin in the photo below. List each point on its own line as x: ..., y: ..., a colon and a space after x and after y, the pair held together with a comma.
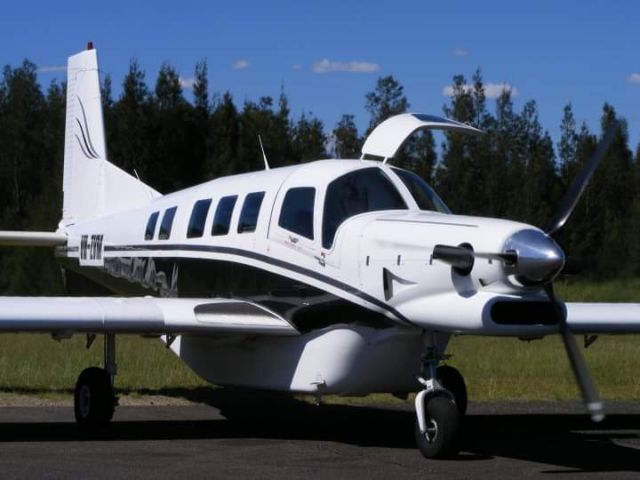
x: 92, y: 186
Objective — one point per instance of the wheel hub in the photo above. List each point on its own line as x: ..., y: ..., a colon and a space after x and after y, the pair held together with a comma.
x: 431, y: 431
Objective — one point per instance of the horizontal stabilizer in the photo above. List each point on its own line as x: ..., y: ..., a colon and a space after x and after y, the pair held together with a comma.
x: 148, y: 316
x: 32, y: 239
x: 603, y: 317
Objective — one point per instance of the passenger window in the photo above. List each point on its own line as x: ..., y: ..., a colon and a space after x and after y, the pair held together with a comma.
x: 222, y: 218
x: 365, y: 190
x: 198, y: 218
x: 297, y: 211
x: 151, y: 226
x: 167, y: 223
x: 249, y: 213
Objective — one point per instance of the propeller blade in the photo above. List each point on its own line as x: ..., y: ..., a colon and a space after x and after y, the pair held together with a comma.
x: 574, y: 193
x: 578, y: 365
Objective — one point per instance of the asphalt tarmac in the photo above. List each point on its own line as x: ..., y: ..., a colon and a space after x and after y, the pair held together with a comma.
x: 294, y: 440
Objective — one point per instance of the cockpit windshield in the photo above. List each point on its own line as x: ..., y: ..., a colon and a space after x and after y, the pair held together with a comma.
x: 365, y: 190
x: 422, y: 193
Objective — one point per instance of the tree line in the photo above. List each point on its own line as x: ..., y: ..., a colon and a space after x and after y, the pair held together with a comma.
x: 171, y: 142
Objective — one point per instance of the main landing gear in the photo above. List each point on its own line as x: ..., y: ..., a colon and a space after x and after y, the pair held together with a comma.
x: 440, y: 408
x: 94, y: 398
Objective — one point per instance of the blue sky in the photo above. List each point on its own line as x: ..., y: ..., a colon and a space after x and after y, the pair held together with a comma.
x: 329, y: 54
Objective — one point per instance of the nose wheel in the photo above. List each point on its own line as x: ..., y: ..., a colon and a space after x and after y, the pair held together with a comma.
x: 439, y: 407
x: 440, y: 436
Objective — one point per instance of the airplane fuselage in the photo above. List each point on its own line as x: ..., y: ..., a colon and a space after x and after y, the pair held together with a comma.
x: 356, y: 285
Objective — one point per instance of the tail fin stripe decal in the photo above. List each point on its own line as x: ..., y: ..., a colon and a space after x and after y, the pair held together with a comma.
x: 84, y: 152
x: 90, y: 147
x: 90, y: 154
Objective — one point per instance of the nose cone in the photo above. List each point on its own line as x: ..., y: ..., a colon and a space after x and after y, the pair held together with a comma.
x: 538, y: 258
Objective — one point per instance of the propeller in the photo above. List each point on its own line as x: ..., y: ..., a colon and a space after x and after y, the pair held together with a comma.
x: 570, y: 199
x: 536, y: 259
x: 576, y: 359
x: 567, y: 205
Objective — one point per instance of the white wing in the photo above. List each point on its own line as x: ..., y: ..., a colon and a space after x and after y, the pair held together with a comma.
x: 604, y: 317
x: 147, y: 315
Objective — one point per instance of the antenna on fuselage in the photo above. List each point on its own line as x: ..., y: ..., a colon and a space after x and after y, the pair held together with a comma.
x: 264, y: 155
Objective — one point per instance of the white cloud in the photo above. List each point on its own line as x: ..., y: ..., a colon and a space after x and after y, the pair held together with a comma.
x: 52, y: 69
x: 296, y: 66
x: 460, y: 52
x: 187, y: 83
x: 491, y: 90
x: 240, y: 64
x: 634, y: 78
x: 326, y: 66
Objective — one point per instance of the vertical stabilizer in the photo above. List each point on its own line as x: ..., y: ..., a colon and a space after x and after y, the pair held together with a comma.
x: 92, y: 186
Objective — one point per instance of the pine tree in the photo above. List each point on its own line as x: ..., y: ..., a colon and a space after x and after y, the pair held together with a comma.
x: 418, y: 154
x: 224, y: 139
x: 129, y: 131
x: 388, y: 99
x: 179, y: 147
x: 309, y: 139
x: 458, y: 173
x: 201, y: 88
x: 347, y: 143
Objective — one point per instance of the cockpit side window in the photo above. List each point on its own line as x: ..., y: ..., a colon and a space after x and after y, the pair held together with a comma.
x: 421, y: 192
x: 365, y: 190
x: 296, y: 214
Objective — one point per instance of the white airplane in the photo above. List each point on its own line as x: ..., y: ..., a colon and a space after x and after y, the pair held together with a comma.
x: 332, y: 277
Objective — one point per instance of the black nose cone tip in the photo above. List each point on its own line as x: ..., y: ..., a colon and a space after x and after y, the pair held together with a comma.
x: 539, y: 258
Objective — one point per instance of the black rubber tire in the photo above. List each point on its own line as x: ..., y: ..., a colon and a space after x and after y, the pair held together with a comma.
x: 451, y: 379
x: 93, y: 400
x: 443, y: 422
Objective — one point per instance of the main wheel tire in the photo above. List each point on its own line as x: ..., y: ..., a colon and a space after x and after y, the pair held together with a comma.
x: 451, y: 379
x: 94, y: 400
x: 441, y: 440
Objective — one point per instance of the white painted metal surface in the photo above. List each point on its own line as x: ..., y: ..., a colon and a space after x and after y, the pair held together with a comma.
x: 386, y: 139
x: 138, y: 315
x: 603, y: 317
x: 345, y: 359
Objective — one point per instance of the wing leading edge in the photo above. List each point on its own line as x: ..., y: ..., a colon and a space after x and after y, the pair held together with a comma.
x: 204, y: 316
x: 603, y: 317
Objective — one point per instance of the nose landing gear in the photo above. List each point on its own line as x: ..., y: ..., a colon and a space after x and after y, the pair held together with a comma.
x: 440, y: 408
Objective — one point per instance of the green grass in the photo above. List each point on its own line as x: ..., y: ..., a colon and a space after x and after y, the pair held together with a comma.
x: 494, y: 368
x: 36, y: 364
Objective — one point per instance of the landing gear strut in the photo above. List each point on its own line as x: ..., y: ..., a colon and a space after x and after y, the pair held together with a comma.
x: 439, y: 410
x: 94, y: 398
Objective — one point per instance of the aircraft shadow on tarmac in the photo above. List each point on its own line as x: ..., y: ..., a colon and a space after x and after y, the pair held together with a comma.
x: 570, y: 442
